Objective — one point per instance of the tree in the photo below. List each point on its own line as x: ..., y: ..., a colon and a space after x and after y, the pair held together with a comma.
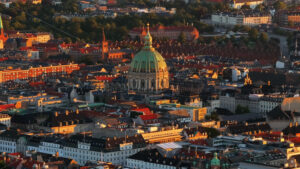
x: 264, y: 37
x: 3, y: 165
x: 181, y: 37
x: 246, y: 7
x: 260, y: 7
x: 88, y: 60
x: 212, y: 132
x: 279, y: 5
x: 253, y: 34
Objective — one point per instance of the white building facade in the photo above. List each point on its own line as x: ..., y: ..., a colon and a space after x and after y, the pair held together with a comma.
x: 92, y: 150
x: 230, y: 19
x: 262, y: 104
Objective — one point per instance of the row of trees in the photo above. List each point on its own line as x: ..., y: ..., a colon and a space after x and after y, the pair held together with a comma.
x: 45, y: 17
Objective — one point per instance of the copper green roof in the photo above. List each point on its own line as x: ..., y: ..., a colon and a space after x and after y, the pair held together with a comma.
x: 1, y: 25
x: 215, y: 161
x: 148, y: 59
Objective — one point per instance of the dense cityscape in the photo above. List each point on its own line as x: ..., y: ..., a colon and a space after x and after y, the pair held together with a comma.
x: 149, y: 84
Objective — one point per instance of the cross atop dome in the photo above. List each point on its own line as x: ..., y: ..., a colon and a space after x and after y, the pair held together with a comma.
x: 148, y: 29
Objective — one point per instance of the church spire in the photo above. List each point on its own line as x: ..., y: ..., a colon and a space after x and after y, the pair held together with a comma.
x: 1, y: 25
x: 148, y: 40
x: 104, y: 45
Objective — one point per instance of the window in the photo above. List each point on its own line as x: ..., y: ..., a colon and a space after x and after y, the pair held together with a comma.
x: 142, y: 83
x: 133, y: 83
x: 153, y: 83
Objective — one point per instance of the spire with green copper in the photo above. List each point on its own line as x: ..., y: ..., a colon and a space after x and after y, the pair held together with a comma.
x: 215, y: 161
x: 1, y: 25
x: 148, y: 40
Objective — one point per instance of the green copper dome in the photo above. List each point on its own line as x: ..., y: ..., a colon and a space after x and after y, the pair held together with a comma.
x: 148, y: 59
x: 215, y: 161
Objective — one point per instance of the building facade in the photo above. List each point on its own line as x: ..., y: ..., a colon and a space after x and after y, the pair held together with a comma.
x: 36, y: 72
x: 288, y: 18
x: 81, y: 149
x: 5, y: 119
x: 163, y: 136
x: 169, y: 32
x: 237, y: 4
x: 262, y: 104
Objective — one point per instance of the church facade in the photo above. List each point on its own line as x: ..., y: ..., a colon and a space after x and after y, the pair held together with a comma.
x: 148, y: 70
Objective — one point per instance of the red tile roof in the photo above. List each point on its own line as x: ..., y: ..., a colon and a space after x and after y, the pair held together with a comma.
x: 35, y: 84
x: 199, y: 142
x: 148, y: 117
x: 145, y: 111
x: 105, y: 78
x: 3, y: 59
x: 6, y: 106
x: 167, y: 28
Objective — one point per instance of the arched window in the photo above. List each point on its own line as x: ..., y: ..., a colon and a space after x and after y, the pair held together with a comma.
x: 142, y: 83
x: 134, y: 84
x: 162, y: 83
x: 153, y: 83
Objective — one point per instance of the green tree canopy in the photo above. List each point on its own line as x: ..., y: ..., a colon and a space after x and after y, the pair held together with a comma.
x: 279, y: 5
x: 253, y: 34
x: 181, y: 38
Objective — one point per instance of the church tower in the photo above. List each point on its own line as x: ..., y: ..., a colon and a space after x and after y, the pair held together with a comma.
x: 143, y: 34
x: 104, y: 46
x: 3, y: 38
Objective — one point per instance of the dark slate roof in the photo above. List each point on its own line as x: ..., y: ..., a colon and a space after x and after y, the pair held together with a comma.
x: 11, y: 134
x: 104, y: 144
x: 241, y: 128
x: 192, y: 131
x: 278, y: 114
x: 291, y: 130
x: 50, y: 158
x: 65, y: 119
x: 24, y: 119
x: 153, y: 156
x: 242, y: 117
